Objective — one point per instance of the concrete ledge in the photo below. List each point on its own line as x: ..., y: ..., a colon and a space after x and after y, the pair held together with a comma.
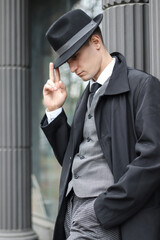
x: 18, y: 235
x: 43, y: 227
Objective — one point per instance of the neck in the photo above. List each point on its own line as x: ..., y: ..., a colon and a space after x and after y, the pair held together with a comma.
x: 106, y: 59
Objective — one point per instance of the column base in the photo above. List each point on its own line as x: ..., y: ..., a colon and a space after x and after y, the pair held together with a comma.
x: 18, y: 235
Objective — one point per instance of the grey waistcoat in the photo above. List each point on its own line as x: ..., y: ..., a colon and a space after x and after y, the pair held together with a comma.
x: 91, y: 174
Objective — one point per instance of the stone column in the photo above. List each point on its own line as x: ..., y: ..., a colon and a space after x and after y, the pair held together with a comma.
x: 15, y: 117
x: 126, y: 29
x: 155, y: 37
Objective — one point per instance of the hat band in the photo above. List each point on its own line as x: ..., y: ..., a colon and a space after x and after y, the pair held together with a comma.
x: 76, y: 37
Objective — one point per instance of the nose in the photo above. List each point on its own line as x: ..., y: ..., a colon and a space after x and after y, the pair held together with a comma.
x: 73, y: 66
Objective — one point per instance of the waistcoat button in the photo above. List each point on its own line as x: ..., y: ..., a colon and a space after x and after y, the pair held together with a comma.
x: 76, y: 176
x: 89, y: 116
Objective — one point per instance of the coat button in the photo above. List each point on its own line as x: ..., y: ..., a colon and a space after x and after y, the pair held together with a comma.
x: 81, y: 157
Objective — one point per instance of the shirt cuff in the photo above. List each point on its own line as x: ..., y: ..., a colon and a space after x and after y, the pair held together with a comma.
x: 53, y: 114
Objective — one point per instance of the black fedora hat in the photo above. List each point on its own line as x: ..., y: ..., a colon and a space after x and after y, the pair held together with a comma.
x: 70, y: 32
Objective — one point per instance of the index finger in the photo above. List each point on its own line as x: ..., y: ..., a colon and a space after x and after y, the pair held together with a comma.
x: 51, y: 71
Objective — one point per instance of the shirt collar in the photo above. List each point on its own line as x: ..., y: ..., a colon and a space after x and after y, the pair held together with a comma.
x: 105, y: 74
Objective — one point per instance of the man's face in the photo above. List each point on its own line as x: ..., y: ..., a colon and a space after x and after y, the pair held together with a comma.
x: 86, y: 62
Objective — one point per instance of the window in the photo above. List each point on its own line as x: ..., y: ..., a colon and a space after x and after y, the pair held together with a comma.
x: 46, y: 170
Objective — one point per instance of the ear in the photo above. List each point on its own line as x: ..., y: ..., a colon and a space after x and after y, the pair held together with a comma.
x: 96, y: 40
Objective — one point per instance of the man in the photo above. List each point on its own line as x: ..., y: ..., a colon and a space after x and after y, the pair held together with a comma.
x: 110, y: 156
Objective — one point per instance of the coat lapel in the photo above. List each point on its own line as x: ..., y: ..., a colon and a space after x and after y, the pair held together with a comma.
x: 119, y: 79
x: 117, y: 85
x: 78, y: 120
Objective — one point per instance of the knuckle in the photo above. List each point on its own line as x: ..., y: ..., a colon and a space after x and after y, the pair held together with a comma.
x: 47, y: 86
x: 50, y: 82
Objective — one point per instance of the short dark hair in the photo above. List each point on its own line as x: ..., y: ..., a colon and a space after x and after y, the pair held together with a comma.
x: 98, y: 32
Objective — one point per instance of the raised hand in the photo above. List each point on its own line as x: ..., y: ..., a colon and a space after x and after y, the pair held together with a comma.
x: 54, y: 91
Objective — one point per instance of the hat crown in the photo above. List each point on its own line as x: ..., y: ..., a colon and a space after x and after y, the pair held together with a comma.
x: 68, y: 34
x: 66, y: 27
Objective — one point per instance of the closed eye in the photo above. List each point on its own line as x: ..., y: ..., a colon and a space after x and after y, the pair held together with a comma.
x: 73, y: 58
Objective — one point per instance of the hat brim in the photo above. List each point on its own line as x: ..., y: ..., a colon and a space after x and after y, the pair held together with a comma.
x: 72, y: 50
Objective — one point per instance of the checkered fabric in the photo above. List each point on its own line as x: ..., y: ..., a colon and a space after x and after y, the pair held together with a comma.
x: 81, y: 222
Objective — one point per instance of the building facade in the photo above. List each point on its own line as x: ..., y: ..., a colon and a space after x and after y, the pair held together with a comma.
x: 130, y: 27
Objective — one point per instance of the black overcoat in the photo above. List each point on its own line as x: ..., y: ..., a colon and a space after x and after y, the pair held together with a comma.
x: 127, y: 119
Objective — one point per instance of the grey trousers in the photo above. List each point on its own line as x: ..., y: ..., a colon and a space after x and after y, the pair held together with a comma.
x: 81, y: 222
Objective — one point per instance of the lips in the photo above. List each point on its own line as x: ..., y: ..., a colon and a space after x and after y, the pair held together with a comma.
x: 80, y: 74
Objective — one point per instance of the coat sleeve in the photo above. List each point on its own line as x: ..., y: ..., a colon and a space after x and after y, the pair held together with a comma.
x: 57, y: 133
x: 142, y: 177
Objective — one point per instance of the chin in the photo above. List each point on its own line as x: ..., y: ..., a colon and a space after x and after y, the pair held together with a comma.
x: 86, y: 78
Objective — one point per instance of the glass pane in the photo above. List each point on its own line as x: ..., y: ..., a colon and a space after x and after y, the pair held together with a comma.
x: 46, y: 170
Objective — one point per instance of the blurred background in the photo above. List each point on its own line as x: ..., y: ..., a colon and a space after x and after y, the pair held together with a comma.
x: 29, y: 172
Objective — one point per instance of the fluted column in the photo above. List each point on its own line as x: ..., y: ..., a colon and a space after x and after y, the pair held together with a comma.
x: 155, y: 37
x: 15, y: 117
x: 126, y: 29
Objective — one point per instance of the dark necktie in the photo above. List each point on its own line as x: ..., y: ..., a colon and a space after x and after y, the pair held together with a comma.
x: 94, y: 88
